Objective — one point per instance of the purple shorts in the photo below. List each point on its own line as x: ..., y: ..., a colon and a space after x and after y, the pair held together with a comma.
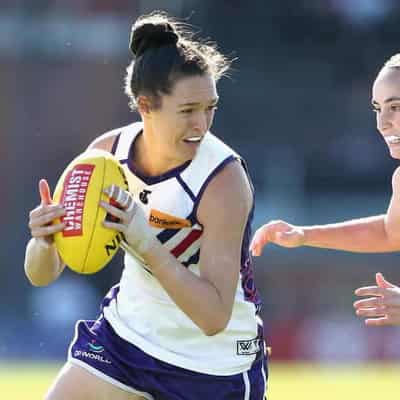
x: 97, y: 348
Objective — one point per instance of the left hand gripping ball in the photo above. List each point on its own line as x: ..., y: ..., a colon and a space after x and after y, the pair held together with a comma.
x: 85, y: 245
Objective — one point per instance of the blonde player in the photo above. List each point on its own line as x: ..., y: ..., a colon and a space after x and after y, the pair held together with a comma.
x: 368, y: 235
x: 183, y: 323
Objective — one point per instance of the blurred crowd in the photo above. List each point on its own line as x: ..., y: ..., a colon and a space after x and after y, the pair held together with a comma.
x: 296, y: 106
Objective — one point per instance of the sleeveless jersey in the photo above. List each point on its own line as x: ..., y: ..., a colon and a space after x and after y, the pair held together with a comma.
x: 140, y: 310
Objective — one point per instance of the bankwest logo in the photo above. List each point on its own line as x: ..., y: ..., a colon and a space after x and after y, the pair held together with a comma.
x: 162, y: 220
x: 73, y: 198
x: 248, y: 347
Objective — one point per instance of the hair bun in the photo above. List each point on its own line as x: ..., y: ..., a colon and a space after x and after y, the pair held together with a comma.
x: 150, y: 35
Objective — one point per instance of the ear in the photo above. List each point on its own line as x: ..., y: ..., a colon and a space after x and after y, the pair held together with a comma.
x: 143, y: 105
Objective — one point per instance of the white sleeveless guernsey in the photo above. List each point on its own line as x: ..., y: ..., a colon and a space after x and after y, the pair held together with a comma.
x: 140, y: 310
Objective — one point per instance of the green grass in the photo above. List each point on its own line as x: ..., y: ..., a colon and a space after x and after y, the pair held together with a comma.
x: 26, y: 381
x: 333, y: 382
x: 287, y: 381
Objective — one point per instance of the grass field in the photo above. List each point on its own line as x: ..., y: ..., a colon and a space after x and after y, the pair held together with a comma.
x: 287, y: 381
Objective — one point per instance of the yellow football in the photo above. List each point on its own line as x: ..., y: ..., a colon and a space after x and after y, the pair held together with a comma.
x: 84, y: 244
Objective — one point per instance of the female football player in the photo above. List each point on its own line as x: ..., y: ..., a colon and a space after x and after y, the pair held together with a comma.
x: 374, y: 234
x: 183, y: 323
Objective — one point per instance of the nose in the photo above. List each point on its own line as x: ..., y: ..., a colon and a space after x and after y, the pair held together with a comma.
x: 383, y: 121
x: 200, y: 122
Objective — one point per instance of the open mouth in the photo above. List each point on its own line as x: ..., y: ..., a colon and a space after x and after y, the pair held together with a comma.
x: 193, y: 139
x: 392, y: 139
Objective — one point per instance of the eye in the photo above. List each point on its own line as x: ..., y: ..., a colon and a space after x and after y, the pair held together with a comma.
x: 212, y: 108
x: 375, y: 109
x: 187, y: 111
x: 395, y: 107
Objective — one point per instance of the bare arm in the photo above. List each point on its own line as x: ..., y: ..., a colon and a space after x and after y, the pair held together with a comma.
x: 224, y: 208
x: 208, y: 299
x: 366, y: 235
x: 43, y: 264
x: 375, y: 234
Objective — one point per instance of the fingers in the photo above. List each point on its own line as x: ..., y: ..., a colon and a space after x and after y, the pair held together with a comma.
x: 382, y: 282
x: 278, y: 232
x: 384, y: 309
x: 43, y: 231
x: 114, y: 225
x: 375, y: 302
x: 42, y: 217
x: 259, y: 240
x: 389, y: 319
x: 122, y: 206
x: 371, y: 291
x: 121, y: 196
x: 372, y: 312
x: 115, y: 211
x: 45, y: 214
x: 44, y: 191
x: 381, y: 321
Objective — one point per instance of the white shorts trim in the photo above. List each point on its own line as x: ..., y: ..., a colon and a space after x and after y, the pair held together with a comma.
x: 108, y: 379
x: 246, y: 386
x: 265, y: 379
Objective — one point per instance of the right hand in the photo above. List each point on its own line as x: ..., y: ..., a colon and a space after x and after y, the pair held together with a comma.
x: 41, y: 218
x: 382, y: 307
x: 278, y: 232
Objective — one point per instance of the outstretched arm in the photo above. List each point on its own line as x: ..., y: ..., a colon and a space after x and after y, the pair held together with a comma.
x: 377, y: 234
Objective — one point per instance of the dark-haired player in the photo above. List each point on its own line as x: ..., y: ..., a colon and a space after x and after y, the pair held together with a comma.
x: 183, y: 322
x: 377, y: 234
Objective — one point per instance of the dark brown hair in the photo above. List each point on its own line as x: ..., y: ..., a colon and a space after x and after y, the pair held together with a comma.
x: 164, y: 51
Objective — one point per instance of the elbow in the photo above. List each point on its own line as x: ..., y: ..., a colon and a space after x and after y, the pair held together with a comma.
x: 214, y: 327
x: 38, y: 282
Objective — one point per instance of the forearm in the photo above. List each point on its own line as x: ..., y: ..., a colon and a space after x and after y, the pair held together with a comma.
x: 366, y: 235
x: 195, y: 296
x: 42, y: 263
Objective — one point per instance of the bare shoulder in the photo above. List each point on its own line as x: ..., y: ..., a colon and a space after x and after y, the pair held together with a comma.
x: 104, y: 142
x: 229, y: 192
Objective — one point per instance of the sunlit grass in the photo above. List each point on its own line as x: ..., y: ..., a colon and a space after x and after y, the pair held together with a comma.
x: 287, y: 381
x: 334, y: 382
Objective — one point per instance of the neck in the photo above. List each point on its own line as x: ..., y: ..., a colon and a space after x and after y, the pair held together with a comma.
x: 149, y: 158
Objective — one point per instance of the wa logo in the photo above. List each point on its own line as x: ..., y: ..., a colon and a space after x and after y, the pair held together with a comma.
x: 248, y: 347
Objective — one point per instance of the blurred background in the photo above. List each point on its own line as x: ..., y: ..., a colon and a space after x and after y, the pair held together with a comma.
x: 297, y: 107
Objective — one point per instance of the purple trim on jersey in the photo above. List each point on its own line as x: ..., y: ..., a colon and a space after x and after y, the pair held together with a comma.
x: 207, y: 181
x: 98, y: 348
x: 260, y: 335
x: 115, y: 144
x: 193, y: 259
x: 186, y: 188
x: 152, y: 180
x: 247, y: 270
x: 112, y: 294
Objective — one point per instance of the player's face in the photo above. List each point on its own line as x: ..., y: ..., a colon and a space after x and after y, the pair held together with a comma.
x: 185, y: 116
x: 386, y: 104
